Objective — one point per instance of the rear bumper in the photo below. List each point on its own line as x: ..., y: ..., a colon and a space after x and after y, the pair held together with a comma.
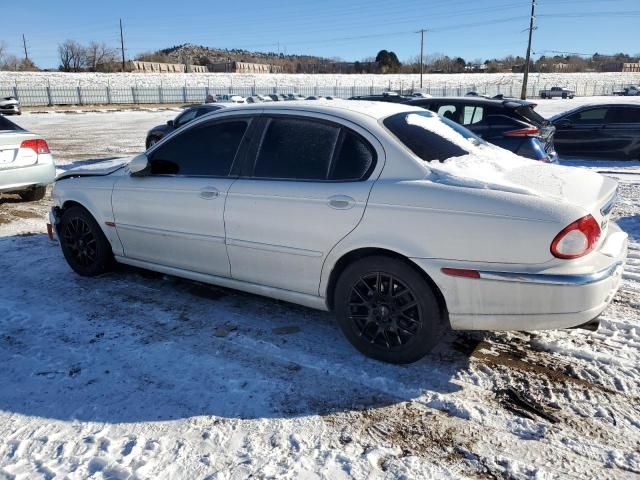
x: 17, y: 179
x: 511, y: 300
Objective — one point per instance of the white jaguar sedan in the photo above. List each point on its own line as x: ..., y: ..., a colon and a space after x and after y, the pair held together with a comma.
x: 401, y: 222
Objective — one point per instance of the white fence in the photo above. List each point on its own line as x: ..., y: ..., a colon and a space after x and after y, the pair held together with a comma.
x: 82, y: 95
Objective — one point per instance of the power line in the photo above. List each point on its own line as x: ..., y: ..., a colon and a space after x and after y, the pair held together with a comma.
x: 122, y: 45
x: 24, y: 44
x: 523, y: 94
x: 421, y: 32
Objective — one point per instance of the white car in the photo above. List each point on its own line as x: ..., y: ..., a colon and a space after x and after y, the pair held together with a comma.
x: 26, y: 165
x: 401, y: 222
x: 10, y: 106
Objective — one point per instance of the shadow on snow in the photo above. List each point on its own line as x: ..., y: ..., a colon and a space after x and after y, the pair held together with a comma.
x: 133, y: 346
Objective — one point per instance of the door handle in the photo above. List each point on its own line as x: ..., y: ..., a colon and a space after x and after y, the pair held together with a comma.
x: 341, y: 202
x: 209, y: 192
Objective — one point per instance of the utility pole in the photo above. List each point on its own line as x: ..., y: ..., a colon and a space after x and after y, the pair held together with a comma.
x: 24, y: 43
x: 122, y: 45
x: 421, y: 32
x: 523, y: 94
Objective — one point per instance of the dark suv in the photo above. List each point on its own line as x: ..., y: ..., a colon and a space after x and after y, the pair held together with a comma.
x: 510, y: 124
x: 189, y: 113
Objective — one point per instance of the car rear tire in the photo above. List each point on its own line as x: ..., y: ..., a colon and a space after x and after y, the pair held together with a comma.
x: 83, y: 243
x: 387, y: 310
x: 33, y: 194
x: 543, y: 95
x: 564, y: 96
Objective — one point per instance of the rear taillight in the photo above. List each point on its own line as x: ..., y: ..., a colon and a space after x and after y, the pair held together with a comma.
x: 577, y: 239
x: 37, y: 145
x: 523, y: 132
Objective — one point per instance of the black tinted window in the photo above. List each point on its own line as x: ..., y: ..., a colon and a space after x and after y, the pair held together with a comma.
x: 354, y: 160
x: 7, y: 124
x: 186, y: 117
x: 296, y: 149
x: 424, y: 143
x: 593, y: 115
x: 205, y: 150
x: 624, y: 115
x: 205, y: 110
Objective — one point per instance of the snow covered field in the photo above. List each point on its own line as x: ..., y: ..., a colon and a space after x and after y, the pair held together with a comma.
x: 139, y: 375
x: 225, y: 80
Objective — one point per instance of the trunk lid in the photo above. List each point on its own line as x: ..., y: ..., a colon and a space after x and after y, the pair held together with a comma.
x: 577, y: 186
x: 11, y: 155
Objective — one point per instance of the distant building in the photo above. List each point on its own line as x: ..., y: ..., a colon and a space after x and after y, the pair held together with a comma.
x: 476, y: 67
x: 244, y: 67
x: 612, y: 67
x: 157, y: 67
x: 631, y: 67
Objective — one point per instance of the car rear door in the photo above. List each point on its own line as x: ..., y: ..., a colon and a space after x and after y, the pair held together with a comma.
x: 174, y: 215
x: 622, y: 132
x: 305, y: 188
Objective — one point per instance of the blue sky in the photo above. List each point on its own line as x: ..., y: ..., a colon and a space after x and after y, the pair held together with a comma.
x: 351, y: 30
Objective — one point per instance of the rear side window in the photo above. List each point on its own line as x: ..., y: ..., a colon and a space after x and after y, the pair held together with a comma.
x: 472, y: 114
x: 301, y: 149
x: 426, y: 144
x: 206, y: 150
x: 624, y: 115
x: 531, y: 116
x: 296, y: 149
x: 354, y: 159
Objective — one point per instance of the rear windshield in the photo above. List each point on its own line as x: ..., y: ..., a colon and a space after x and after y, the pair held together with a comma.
x: 529, y: 114
x: 8, y: 125
x: 417, y: 131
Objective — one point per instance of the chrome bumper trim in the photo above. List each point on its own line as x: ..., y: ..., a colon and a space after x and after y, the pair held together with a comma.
x: 542, y: 278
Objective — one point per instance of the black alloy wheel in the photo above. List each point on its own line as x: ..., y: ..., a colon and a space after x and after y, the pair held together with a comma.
x: 384, y: 310
x: 80, y: 241
x: 388, y: 310
x: 84, y: 245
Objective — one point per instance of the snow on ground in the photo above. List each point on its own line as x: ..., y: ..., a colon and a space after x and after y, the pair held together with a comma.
x: 139, y: 375
x: 225, y: 80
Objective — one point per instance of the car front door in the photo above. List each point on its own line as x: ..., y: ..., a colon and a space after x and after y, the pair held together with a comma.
x: 305, y: 189
x: 581, y: 132
x: 174, y: 215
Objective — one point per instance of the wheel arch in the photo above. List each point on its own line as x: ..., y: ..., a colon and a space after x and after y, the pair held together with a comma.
x: 359, y: 253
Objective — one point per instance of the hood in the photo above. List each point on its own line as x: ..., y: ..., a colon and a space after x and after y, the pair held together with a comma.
x: 100, y: 168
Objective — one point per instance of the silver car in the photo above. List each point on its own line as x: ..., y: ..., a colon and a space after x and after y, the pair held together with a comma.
x: 26, y: 165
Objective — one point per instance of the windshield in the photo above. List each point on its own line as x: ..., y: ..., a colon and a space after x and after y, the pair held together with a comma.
x: 430, y: 136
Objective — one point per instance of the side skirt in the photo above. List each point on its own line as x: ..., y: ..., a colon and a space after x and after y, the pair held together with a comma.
x: 304, y: 299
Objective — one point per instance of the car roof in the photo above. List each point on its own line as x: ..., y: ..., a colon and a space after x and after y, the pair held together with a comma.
x: 375, y: 110
x: 472, y: 99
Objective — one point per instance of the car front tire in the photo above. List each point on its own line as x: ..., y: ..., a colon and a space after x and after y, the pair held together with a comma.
x: 33, y: 194
x: 387, y: 310
x: 83, y: 243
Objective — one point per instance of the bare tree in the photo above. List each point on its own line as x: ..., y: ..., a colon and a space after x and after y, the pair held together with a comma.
x: 72, y: 56
x: 99, y: 55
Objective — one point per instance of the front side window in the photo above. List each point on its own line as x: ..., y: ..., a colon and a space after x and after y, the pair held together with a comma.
x: 296, y: 149
x: 206, y: 150
x: 449, y: 112
x: 593, y: 115
x: 430, y: 137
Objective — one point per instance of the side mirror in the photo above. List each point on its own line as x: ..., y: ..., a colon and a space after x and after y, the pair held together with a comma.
x: 139, y: 165
x: 170, y: 123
